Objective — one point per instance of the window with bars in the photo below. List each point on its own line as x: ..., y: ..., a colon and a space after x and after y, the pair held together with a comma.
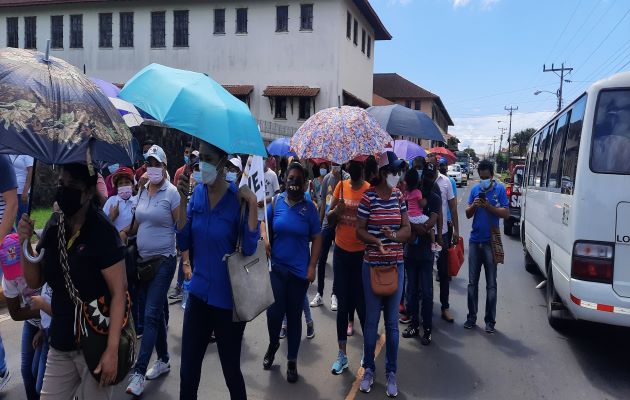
x: 349, y: 26
x: 282, y: 18
x: 158, y: 29
x: 30, y: 32
x: 105, y: 30
x: 56, y: 31
x: 369, y: 47
x: 305, y: 107
x: 126, y: 29
x: 241, y: 20
x: 76, y: 31
x: 306, y: 17
x: 281, y: 108
x: 219, y: 21
x: 417, y: 105
x: 363, y: 37
x: 12, y: 32
x: 180, y: 33
x: 355, y: 38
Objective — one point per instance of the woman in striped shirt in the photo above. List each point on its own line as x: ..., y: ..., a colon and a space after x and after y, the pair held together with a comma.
x: 383, y: 225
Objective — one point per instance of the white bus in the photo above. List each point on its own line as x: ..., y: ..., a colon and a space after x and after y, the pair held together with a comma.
x: 576, y: 206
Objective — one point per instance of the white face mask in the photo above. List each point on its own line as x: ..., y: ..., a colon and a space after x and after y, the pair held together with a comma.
x: 231, y: 176
x: 208, y: 172
x: 124, y: 192
x: 392, y: 180
x: 155, y: 174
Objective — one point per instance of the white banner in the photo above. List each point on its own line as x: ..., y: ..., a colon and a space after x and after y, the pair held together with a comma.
x: 254, y: 176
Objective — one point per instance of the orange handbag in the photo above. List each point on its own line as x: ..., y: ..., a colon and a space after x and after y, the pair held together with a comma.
x: 455, y: 258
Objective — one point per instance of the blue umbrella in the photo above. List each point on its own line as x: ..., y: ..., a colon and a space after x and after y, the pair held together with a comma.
x: 398, y: 120
x: 193, y: 103
x: 280, y: 147
x: 408, y: 150
x: 54, y: 113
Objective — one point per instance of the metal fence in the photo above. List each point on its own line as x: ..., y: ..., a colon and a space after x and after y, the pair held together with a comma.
x: 273, y: 130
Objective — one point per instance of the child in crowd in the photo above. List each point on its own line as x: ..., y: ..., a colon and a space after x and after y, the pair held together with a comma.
x: 415, y: 202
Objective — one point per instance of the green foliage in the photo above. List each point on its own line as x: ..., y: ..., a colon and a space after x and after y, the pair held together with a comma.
x: 520, y: 140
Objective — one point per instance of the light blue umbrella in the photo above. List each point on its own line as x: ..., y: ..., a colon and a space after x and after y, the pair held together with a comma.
x: 194, y: 103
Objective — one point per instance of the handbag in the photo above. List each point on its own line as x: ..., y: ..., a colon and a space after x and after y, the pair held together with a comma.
x: 497, y: 245
x: 249, y: 279
x: 92, y: 320
x: 147, y: 269
x: 384, y: 280
x: 455, y: 258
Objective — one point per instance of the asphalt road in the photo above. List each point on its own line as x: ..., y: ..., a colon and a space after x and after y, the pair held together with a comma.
x: 524, y: 359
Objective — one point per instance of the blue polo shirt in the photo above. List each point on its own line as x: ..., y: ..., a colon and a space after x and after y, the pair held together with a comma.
x: 483, y: 219
x: 292, y: 229
x: 210, y: 235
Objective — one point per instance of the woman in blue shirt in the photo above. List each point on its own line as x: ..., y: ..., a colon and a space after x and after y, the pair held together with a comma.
x: 213, y: 223
x: 293, y: 225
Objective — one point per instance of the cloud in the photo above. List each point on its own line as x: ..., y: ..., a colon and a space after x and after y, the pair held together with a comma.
x: 485, y: 4
x: 478, y: 132
x: 398, y: 2
x: 460, y: 3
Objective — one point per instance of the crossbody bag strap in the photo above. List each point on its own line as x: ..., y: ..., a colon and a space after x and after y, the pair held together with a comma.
x: 239, y: 240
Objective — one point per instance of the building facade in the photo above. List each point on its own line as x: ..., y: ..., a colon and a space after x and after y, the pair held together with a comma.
x: 285, y: 60
x: 393, y: 88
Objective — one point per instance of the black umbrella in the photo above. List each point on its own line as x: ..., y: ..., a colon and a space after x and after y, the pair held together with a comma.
x: 402, y: 121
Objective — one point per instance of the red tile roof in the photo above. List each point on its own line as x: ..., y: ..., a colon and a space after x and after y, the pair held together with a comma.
x: 380, y: 101
x: 290, y: 91
x: 239, y: 90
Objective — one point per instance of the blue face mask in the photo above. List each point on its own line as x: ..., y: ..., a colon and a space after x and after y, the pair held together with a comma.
x: 197, y: 176
x: 186, y: 160
x: 230, y: 176
x: 113, y: 168
x: 323, y: 171
x: 485, y: 183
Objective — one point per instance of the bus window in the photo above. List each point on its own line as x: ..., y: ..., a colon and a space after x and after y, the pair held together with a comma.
x: 548, y: 141
x: 533, y: 158
x: 557, y: 147
x: 572, y: 147
x: 610, y: 152
x: 542, y: 150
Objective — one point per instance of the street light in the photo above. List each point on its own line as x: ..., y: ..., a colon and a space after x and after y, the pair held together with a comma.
x: 557, y: 94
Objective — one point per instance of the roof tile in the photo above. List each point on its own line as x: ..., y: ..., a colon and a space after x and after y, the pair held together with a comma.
x: 290, y: 91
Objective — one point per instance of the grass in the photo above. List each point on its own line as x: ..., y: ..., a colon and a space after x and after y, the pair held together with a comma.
x: 41, y: 216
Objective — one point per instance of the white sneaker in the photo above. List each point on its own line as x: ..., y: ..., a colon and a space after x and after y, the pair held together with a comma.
x: 159, y: 368
x: 333, y: 303
x: 136, y: 384
x: 4, y: 380
x: 317, y: 301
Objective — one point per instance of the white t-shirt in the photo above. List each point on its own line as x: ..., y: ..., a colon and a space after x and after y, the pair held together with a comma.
x: 271, y: 187
x: 125, y: 210
x: 446, y: 189
x: 20, y: 165
x: 18, y: 288
x: 47, y: 296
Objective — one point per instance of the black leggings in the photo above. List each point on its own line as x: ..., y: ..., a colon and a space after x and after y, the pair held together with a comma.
x: 348, y: 288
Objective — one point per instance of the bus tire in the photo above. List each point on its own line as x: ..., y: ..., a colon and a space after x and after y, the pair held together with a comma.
x: 508, y: 225
x: 530, y: 264
x: 555, y: 317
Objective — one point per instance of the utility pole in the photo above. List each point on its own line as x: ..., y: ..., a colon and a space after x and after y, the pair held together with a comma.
x: 555, y: 71
x: 509, y: 152
x: 494, y: 150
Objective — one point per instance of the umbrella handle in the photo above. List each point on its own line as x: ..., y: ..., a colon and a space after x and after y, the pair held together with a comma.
x: 32, y: 259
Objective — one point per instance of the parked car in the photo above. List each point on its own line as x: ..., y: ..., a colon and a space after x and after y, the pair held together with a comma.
x: 511, y: 225
x: 455, y: 172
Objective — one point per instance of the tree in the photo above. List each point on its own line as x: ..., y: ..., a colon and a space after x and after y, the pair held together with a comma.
x: 452, y: 143
x: 471, y: 152
x: 520, y: 140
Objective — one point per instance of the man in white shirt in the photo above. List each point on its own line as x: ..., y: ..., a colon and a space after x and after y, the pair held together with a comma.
x: 23, y: 166
x: 272, y: 187
x: 449, y: 202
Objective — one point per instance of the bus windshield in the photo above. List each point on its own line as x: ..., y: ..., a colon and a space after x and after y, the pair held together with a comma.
x: 611, y: 133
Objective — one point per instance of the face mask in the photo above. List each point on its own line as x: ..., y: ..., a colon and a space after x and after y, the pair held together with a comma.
x: 186, y: 160
x: 68, y: 200
x: 155, y: 175
x: 231, y: 176
x: 392, y: 180
x: 124, y: 192
x: 196, y: 175
x: 295, y: 188
x: 112, y: 168
x: 485, y: 183
x: 208, y: 172
x: 420, y: 173
x: 323, y: 172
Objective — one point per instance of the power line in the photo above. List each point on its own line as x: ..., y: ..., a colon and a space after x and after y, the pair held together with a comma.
x: 623, y: 66
x: 563, y: 30
x: 561, y: 70
x: 597, y: 24
x: 510, y: 109
x: 578, y: 30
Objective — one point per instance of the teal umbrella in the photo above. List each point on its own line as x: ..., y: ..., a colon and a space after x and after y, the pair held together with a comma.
x: 194, y: 103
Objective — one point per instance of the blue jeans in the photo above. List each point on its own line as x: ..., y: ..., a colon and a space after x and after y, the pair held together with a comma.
x: 478, y: 254
x: 30, y: 364
x: 308, y: 318
x: 328, y: 237
x: 154, y: 335
x: 289, y: 292
x: 22, y: 209
x: 373, y: 306
x: 419, y: 275
x: 41, y: 354
x: 3, y: 362
x: 200, y: 321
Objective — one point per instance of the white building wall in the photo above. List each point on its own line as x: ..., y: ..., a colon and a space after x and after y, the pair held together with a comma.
x: 321, y: 58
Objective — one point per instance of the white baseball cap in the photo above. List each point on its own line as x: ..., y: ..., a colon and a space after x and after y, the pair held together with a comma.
x: 237, y: 163
x: 156, y: 152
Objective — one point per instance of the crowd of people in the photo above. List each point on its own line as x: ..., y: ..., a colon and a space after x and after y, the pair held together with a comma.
x: 128, y: 234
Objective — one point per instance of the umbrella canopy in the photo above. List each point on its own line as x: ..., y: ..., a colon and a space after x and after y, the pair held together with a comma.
x: 398, y: 120
x: 280, y: 147
x: 108, y: 88
x: 339, y: 134
x: 128, y: 111
x: 408, y: 150
x: 52, y: 112
x: 193, y: 103
x: 444, y: 152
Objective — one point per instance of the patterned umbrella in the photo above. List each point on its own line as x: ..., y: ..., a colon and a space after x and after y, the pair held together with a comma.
x: 52, y: 112
x: 340, y: 134
x: 444, y: 152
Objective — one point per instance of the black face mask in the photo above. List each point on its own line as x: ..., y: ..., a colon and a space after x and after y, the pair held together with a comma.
x: 356, y: 171
x: 443, y: 171
x: 294, y: 189
x: 69, y: 200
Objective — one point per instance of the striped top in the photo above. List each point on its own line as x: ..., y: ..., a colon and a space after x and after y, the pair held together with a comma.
x: 379, y: 214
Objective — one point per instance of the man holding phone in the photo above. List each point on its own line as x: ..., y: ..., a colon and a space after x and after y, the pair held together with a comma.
x: 487, y: 203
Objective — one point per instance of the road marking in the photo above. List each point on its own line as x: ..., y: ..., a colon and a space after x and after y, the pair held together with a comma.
x: 357, y: 382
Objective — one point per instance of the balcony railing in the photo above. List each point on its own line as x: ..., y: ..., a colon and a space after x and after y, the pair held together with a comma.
x: 273, y: 130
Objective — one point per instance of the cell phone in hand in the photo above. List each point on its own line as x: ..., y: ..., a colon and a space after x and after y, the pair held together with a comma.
x: 482, y: 195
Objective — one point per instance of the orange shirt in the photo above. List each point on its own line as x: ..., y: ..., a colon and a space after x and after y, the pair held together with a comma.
x: 346, y: 232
